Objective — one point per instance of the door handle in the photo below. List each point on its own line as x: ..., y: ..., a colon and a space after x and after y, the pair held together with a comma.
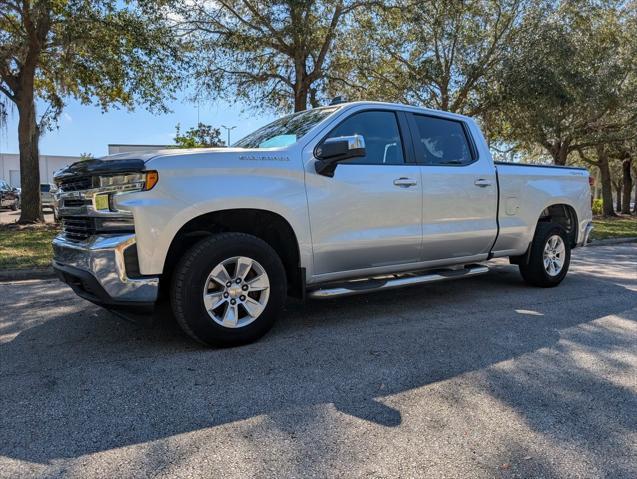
x: 404, y: 182
x: 482, y: 183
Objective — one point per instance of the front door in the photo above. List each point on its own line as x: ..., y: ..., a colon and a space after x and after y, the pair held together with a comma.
x: 369, y: 214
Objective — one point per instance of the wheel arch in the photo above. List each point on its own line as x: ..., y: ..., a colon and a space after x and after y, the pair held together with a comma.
x: 565, y: 215
x: 269, y: 226
x: 561, y: 213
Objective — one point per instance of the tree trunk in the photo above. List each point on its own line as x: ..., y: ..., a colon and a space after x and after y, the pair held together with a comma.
x: 607, y: 186
x: 559, y: 151
x: 635, y: 207
x: 28, y: 138
x: 300, y: 98
x: 618, y: 196
x: 628, y: 186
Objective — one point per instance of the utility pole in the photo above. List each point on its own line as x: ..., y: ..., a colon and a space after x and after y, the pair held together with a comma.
x: 228, y: 129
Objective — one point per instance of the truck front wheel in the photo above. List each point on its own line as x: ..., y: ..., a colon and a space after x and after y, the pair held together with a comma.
x: 228, y: 289
x: 549, y: 258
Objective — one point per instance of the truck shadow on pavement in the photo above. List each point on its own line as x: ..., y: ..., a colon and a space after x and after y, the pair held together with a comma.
x: 79, y: 380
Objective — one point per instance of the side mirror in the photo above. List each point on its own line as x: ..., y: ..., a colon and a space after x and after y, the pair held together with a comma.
x: 334, y: 150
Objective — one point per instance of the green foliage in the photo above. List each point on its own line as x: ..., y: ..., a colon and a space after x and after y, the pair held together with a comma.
x: 622, y: 227
x: 106, y: 52
x: 270, y: 54
x: 568, y: 81
x: 203, y: 136
x: 598, y: 206
x: 97, y: 51
x: 86, y: 156
x: 439, y: 54
x: 26, y: 247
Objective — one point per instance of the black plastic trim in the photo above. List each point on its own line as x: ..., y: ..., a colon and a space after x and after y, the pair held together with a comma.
x: 86, y: 286
x: 131, y: 262
x: 407, y: 137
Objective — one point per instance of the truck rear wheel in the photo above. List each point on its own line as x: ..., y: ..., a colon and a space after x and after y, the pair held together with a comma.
x: 549, y: 258
x: 228, y: 289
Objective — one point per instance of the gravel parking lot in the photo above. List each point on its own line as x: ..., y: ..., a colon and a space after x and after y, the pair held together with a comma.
x: 484, y: 377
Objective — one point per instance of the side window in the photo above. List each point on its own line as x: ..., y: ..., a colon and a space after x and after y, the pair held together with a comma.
x: 382, y: 137
x: 444, y: 142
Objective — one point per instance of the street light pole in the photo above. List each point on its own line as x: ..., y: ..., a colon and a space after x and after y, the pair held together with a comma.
x: 228, y: 128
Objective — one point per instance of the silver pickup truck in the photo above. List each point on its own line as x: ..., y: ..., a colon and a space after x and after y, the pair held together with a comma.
x: 339, y: 200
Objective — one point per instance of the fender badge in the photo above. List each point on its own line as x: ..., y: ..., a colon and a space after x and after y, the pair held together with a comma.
x: 263, y: 158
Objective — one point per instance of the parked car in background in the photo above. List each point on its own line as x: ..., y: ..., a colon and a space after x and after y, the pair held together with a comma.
x: 48, y: 199
x: 9, y: 196
x: 328, y: 202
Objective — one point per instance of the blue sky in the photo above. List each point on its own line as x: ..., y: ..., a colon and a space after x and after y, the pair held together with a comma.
x: 85, y: 129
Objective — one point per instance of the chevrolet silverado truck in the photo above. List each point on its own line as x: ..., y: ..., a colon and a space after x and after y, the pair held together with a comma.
x: 333, y: 201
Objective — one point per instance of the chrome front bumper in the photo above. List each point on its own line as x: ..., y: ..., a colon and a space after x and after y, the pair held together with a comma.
x: 96, y: 270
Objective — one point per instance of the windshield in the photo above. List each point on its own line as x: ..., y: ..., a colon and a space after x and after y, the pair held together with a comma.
x: 285, y: 131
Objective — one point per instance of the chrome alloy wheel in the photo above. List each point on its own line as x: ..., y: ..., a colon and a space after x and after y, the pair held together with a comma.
x: 236, y: 292
x: 554, y: 253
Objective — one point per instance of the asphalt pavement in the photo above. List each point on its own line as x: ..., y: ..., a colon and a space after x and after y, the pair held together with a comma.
x: 484, y: 377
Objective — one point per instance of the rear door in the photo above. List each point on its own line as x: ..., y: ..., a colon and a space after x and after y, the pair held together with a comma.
x: 459, y: 190
x: 369, y: 214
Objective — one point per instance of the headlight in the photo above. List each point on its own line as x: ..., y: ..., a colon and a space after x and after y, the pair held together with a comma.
x: 124, y: 183
x: 129, y: 182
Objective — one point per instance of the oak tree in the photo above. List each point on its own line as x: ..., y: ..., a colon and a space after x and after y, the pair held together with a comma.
x: 271, y: 54
x: 106, y: 52
x: 201, y: 136
x: 439, y: 54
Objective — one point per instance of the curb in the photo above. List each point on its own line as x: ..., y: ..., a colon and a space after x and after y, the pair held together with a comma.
x: 612, y: 241
x: 7, y: 275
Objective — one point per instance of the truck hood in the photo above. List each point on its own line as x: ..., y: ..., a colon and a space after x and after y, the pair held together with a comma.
x: 146, y: 156
x: 138, y: 160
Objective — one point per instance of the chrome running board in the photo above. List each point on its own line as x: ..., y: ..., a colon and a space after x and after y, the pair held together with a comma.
x: 394, y: 281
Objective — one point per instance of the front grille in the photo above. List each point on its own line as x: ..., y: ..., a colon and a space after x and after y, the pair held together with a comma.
x: 78, y: 228
x: 74, y: 202
x: 76, y: 183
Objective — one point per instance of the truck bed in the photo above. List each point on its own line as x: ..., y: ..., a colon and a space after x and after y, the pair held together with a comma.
x: 525, y: 193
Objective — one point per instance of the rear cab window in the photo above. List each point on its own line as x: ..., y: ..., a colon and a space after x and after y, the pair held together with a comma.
x: 441, y: 142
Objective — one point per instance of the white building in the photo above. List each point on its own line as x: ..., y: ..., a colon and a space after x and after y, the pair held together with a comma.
x: 114, y: 148
x: 49, y: 164
x: 10, y: 167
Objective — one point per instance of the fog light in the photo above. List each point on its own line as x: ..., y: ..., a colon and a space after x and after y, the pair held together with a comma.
x: 101, y: 202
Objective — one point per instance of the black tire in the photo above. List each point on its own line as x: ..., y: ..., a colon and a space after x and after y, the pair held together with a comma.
x: 534, y: 271
x: 15, y: 205
x: 191, y: 276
